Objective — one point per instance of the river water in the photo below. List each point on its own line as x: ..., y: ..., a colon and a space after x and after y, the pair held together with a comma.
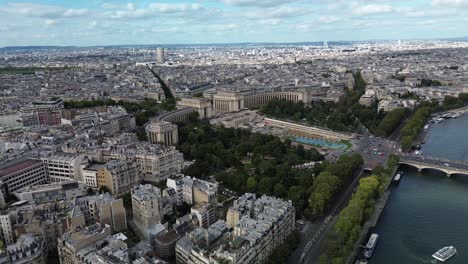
x: 428, y: 210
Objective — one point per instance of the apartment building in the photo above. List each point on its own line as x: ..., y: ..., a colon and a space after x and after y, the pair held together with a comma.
x: 205, y: 192
x: 49, y: 219
x: 81, y: 237
x: 193, y: 190
x: 52, y: 191
x: 259, y: 226
x: 65, y: 166
x: 158, y: 162
x: 183, y: 187
x: 6, y: 224
x: 28, y: 249
x: 112, y: 249
x: 198, y: 246
x: 118, y: 176
x: 90, y: 175
x: 150, y: 205
x: 102, y: 209
x: 204, y: 213
x: 43, y: 113
x: 21, y: 173
x: 165, y: 243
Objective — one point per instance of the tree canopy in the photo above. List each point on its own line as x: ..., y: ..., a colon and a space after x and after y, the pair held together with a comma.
x: 345, y: 115
x: 347, y: 228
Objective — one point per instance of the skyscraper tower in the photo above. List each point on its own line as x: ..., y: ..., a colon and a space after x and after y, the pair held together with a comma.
x: 161, y: 56
x: 325, y: 45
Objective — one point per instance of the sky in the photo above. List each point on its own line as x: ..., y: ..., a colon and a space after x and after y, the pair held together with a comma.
x: 124, y: 22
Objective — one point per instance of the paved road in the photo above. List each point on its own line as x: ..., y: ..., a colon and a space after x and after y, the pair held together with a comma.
x: 313, y: 235
x: 436, y: 162
x: 374, y: 150
x: 395, y: 136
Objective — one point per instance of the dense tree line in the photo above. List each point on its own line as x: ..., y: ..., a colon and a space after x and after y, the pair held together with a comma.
x: 345, y: 115
x: 413, y: 126
x: 399, y: 77
x: 419, y: 118
x: 429, y: 82
x: 249, y: 162
x: 347, y: 229
x: 390, y: 122
x: 89, y: 103
x: 28, y: 70
x: 329, y: 182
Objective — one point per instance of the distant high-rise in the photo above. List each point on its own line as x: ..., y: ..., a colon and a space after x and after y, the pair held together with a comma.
x: 161, y: 57
x: 325, y: 45
x: 399, y: 43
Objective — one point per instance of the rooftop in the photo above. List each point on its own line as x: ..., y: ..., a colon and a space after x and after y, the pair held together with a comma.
x: 167, y: 237
x: 17, y: 165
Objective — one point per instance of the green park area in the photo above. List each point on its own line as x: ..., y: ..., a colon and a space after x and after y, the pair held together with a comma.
x: 252, y: 162
x: 346, y: 115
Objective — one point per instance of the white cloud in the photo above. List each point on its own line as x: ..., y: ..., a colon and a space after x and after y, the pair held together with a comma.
x: 329, y: 19
x: 92, y: 24
x: 33, y: 10
x: 43, y: 11
x: 75, y: 12
x: 174, y: 8
x: 373, y: 9
x: 154, y: 9
x: 138, y: 13
x: 259, y: 3
x: 280, y: 12
x: 449, y: 2
x: 415, y: 13
x: 224, y: 27
x: 50, y: 22
x: 427, y: 22
x: 270, y: 21
x: 129, y: 6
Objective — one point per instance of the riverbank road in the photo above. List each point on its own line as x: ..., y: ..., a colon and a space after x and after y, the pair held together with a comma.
x: 313, y: 235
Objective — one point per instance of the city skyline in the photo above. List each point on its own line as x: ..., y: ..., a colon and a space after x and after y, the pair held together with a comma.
x: 116, y: 22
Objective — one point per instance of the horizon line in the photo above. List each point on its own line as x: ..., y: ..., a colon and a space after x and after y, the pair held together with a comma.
x: 464, y: 38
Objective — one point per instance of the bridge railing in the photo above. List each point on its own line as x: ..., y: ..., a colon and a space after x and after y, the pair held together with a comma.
x: 432, y: 160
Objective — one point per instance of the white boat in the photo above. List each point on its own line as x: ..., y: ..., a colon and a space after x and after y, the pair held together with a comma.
x: 437, y: 120
x: 444, y: 253
x: 397, y: 177
x: 370, y: 245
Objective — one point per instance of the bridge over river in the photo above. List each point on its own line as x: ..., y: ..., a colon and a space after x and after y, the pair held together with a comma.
x: 449, y: 167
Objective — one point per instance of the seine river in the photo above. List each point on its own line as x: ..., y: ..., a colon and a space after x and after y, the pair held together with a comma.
x: 428, y: 210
